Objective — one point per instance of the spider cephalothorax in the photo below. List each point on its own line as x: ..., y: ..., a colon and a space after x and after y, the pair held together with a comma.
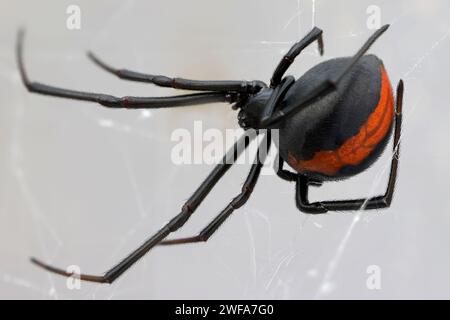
x: 333, y: 123
x: 252, y: 111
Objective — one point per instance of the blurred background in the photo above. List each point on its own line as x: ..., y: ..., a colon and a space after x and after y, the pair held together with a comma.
x: 83, y: 185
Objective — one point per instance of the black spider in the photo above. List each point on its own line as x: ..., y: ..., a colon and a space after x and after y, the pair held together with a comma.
x: 334, y: 122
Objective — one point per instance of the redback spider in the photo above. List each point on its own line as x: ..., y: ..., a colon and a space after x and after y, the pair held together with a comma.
x: 333, y: 122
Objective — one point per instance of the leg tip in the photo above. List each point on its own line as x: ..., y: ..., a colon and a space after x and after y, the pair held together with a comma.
x: 39, y: 263
x: 21, y: 32
x: 36, y: 261
x: 92, y: 56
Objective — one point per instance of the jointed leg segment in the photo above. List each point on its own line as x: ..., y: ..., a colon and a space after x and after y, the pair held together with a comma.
x: 236, y: 203
x: 322, y: 88
x: 177, y: 222
x: 249, y: 87
x: 120, y: 102
x: 314, y: 35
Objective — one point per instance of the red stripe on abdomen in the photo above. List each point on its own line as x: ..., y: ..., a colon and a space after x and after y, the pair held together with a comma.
x: 357, y: 148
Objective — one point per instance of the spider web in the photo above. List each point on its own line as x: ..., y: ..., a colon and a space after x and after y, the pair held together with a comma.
x: 83, y: 185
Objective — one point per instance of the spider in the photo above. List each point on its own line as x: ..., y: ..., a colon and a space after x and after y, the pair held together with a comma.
x: 333, y: 122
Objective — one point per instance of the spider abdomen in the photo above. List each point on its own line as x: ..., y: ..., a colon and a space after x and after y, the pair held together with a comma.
x: 343, y: 133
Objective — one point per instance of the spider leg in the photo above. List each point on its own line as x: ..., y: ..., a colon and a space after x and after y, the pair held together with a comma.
x: 378, y: 202
x: 324, y: 87
x: 277, y: 96
x: 283, y: 173
x: 177, y: 222
x: 237, y: 202
x: 119, y: 102
x: 180, y: 83
x: 296, y: 49
x: 291, y: 176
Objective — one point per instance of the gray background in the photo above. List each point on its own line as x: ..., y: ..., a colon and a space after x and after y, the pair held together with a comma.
x: 84, y: 185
